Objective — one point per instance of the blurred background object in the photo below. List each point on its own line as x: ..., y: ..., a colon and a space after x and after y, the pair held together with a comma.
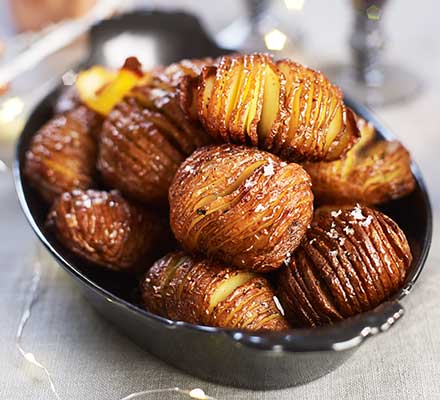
x: 369, y: 79
x: 51, y: 30
x: 264, y: 27
x: 37, y: 14
x: 39, y: 30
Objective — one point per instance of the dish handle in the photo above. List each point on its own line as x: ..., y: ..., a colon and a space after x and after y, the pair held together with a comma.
x: 340, y: 336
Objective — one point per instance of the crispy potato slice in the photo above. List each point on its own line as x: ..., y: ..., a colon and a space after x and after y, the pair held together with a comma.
x: 90, y: 81
x: 206, y: 293
x: 107, y: 96
x: 240, y: 205
x: 371, y: 172
x: 273, y: 112
x: 352, y: 259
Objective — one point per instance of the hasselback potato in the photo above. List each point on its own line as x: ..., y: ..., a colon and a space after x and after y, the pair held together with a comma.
x: 202, y: 292
x: 351, y: 260
x: 62, y: 154
x: 282, y: 107
x: 240, y: 205
x: 372, y: 172
x: 106, y: 229
x: 144, y: 140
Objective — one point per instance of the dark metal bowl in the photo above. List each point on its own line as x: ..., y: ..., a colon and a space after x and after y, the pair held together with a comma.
x: 237, y: 358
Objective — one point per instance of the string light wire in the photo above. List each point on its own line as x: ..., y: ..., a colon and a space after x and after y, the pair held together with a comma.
x: 33, y: 296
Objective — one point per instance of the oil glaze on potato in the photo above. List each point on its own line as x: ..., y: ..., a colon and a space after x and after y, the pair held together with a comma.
x: 144, y: 140
x: 372, y: 172
x: 240, y: 205
x: 62, y: 154
x: 106, y: 229
x: 281, y: 107
x: 202, y: 292
x: 351, y: 260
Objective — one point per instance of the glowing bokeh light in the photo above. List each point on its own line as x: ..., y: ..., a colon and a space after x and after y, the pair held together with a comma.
x: 275, y: 40
x: 373, y: 13
x: 296, y: 5
x: 11, y: 109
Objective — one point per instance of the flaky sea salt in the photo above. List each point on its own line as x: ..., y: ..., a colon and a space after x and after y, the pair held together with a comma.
x: 332, y: 234
x: 249, y: 183
x: 333, y: 253
x: 357, y: 213
x: 87, y: 203
x: 268, y: 169
x: 367, y: 221
x: 259, y: 208
x: 336, y: 214
x: 189, y: 169
x: 348, y: 230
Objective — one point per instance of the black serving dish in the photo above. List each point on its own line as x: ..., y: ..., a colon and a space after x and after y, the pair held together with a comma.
x: 237, y: 358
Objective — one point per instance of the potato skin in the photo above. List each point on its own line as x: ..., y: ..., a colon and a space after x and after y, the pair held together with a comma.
x: 62, y: 154
x: 181, y: 288
x: 144, y: 140
x: 241, y: 206
x: 351, y: 259
x: 106, y: 229
x: 282, y: 107
x: 371, y: 173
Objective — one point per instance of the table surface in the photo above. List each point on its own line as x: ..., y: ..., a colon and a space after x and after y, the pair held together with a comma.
x: 89, y: 359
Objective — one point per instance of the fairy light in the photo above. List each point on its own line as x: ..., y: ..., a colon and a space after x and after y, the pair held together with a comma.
x: 11, y: 109
x: 373, y: 13
x: 196, y: 394
x: 3, y: 167
x: 275, y: 40
x: 33, y: 296
x: 69, y: 78
x: 296, y: 5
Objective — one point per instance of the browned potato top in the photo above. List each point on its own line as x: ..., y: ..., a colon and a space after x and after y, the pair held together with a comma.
x: 145, y: 138
x: 240, y: 205
x: 106, y: 229
x: 351, y: 260
x: 282, y: 107
x: 372, y: 172
x: 202, y: 292
x: 62, y: 154
x: 172, y: 75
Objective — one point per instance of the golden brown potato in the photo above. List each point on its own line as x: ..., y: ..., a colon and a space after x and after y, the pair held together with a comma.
x: 202, y: 292
x: 371, y: 172
x: 146, y: 137
x: 240, y: 205
x: 351, y: 259
x: 106, y: 229
x: 280, y: 107
x: 62, y: 154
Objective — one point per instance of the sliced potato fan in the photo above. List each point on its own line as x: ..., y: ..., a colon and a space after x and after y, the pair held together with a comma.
x: 183, y: 288
x: 283, y: 107
x: 241, y: 206
x: 372, y: 172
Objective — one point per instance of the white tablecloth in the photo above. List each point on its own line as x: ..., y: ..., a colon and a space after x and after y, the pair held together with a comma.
x: 88, y: 359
